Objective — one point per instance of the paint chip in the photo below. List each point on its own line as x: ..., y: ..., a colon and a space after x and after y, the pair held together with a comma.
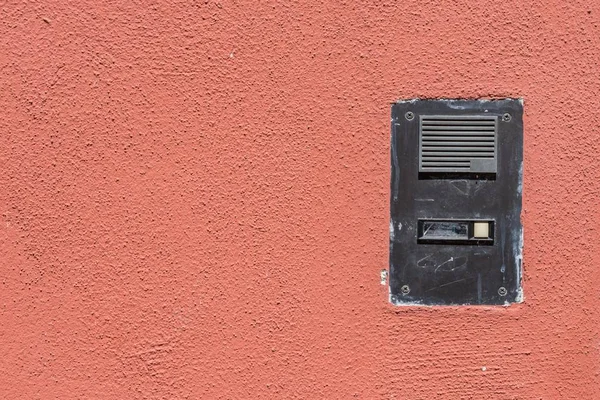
x: 383, y: 277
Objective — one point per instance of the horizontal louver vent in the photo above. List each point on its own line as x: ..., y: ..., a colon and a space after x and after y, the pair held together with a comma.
x: 462, y: 143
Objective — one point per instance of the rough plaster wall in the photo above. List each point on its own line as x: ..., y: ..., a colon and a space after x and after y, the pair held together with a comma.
x: 194, y: 199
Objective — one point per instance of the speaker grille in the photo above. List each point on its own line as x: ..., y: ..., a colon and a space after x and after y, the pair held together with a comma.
x: 464, y: 143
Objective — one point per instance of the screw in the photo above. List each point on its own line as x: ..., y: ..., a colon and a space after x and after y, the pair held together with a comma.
x: 506, y: 117
x: 405, y: 289
x: 502, y: 291
x: 409, y: 115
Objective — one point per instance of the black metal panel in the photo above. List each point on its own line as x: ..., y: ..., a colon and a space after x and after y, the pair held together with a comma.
x: 444, y: 263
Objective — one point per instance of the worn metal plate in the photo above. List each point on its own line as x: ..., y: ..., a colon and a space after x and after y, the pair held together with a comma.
x: 435, y: 256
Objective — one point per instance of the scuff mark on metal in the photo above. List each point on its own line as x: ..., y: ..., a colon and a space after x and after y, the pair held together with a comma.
x: 456, y: 263
x: 479, y: 289
x: 444, y: 263
x: 421, y: 264
x: 395, y: 164
x: 463, y: 190
x: 446, y: 284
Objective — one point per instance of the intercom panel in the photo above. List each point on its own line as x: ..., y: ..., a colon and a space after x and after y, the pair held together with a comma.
x: 456, y: 186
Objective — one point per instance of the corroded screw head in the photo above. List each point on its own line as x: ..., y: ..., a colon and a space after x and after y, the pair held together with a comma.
x: 409, y: 116
x: 405, y: 289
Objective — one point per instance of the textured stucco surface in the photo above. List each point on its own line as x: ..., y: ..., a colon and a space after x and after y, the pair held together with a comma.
x: 194, y: 199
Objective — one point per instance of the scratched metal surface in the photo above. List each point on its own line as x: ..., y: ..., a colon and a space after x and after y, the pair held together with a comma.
x: 450, y: 273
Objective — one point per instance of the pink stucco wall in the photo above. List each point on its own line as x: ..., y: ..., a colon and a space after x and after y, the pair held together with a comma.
x: 194, y: 199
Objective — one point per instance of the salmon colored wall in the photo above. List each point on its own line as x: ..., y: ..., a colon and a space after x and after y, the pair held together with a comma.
x: 194, y: 199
